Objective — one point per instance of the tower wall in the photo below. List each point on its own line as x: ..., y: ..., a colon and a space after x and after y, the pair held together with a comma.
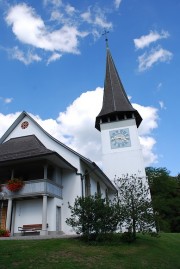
x: 121, y: 149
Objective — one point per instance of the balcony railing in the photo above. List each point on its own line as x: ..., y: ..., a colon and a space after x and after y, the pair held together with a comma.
x: 36, y: 188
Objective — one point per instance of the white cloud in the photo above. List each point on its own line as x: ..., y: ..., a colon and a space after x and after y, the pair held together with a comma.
x: 117, y: 3
x: 147, y: 60
x: 6, y: 121
x: 162, y: 105
x: 54, y: 57
x: 149, y: 116
x: 70, y: 10
x: 6, y: 100
x: 96, y: 17
x: 24, y: 19
x: 75, y: 126
x: 147, y: 144
x: 159, y: 86
x: 59, y: 32
x: 146, y: 40
x: 55, y: 3
x: 28, y: 58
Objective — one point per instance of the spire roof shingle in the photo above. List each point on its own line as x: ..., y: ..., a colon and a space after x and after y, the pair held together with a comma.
x: 115, y: 101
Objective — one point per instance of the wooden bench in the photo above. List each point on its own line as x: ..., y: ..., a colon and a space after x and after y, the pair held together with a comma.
x: 32, y: 228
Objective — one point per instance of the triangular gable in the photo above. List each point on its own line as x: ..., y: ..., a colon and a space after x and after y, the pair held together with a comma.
x: 88, y: 162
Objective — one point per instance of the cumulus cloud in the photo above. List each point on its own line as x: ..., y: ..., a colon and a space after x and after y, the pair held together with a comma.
x: 147, y: 143
x: 6, y: 121
x: 148, y: 59
x: 23, y: 19
x: 146, y: 40
x: 59, y: 32
x: 75, y: 126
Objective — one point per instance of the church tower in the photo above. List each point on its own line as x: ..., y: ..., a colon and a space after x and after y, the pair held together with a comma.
x: 118, y: 122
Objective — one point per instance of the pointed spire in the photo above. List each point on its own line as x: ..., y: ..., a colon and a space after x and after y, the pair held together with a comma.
x: 116, y: 105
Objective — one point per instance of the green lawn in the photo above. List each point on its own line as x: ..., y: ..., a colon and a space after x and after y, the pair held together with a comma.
x: 147, y: 252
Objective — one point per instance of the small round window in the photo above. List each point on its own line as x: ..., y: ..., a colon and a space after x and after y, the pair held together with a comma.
x: 24, y: 124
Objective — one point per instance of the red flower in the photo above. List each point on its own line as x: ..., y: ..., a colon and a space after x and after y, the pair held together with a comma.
x: 15, y: 184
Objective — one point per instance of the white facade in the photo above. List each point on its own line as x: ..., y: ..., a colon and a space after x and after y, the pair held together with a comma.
x: 45, y: 200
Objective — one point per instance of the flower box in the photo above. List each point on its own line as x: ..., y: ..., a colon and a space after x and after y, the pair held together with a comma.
x: 15, y: 184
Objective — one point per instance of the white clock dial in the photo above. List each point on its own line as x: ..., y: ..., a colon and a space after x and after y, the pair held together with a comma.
x: 120, y: 138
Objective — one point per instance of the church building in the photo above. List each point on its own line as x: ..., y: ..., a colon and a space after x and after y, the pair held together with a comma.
x: 54, y: 175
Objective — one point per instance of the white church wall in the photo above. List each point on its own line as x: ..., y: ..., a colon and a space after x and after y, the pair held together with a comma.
x: 71, y: 189
x: 27, y: 212
x: 53, y: 203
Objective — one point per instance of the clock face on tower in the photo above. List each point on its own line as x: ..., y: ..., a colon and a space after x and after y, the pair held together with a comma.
x: 120, y: 138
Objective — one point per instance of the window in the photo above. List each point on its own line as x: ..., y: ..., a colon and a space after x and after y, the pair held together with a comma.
x: 107, y: 196
x: 98, y: 188
x: 87, y: 184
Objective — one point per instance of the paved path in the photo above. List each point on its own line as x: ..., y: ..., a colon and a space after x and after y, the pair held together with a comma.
x: 38, y: 237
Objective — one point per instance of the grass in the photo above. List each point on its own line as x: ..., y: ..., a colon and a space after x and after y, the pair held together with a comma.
x: 147, y: 252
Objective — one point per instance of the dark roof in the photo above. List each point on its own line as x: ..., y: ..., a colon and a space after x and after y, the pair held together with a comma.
x: 115, y: 100
x: 22, y: 147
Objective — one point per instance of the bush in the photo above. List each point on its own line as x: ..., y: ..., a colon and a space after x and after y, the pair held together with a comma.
x: 93, y: 217
x: 128, y: 237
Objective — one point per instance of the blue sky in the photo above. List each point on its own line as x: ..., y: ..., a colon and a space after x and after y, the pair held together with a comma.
x: 52, y: 57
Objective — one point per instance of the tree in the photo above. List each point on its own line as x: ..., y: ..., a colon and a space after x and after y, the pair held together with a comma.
x: 136, y: 207
x: 165, y: 192
x: 93, y: 216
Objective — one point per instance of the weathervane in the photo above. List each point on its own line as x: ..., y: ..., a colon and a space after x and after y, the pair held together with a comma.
x: 106, y: 38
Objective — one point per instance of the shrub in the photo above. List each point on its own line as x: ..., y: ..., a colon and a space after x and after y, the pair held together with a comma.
x: 93, y: 217
x: 128, y: 237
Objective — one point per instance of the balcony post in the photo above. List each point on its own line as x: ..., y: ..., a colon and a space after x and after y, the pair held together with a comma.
x: 44, y: 216
x: 9, y: 214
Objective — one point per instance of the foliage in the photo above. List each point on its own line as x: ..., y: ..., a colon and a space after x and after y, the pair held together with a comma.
x: 127, y: 237
x: 136, y: 207
x: 4, y: 233
x: 165, y: 192
x: 15, y: 184
x: 93, y: 217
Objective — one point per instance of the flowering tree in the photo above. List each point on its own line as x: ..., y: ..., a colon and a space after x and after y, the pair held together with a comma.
x: 135, y: 201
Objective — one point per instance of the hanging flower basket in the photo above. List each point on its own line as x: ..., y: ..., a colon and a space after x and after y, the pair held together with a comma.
x: 15, y: 184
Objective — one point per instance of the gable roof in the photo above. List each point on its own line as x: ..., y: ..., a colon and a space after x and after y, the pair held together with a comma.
x: 28, y: 147
x: 91, y: 164
x: 22, y: 147
x: 115, y: 101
